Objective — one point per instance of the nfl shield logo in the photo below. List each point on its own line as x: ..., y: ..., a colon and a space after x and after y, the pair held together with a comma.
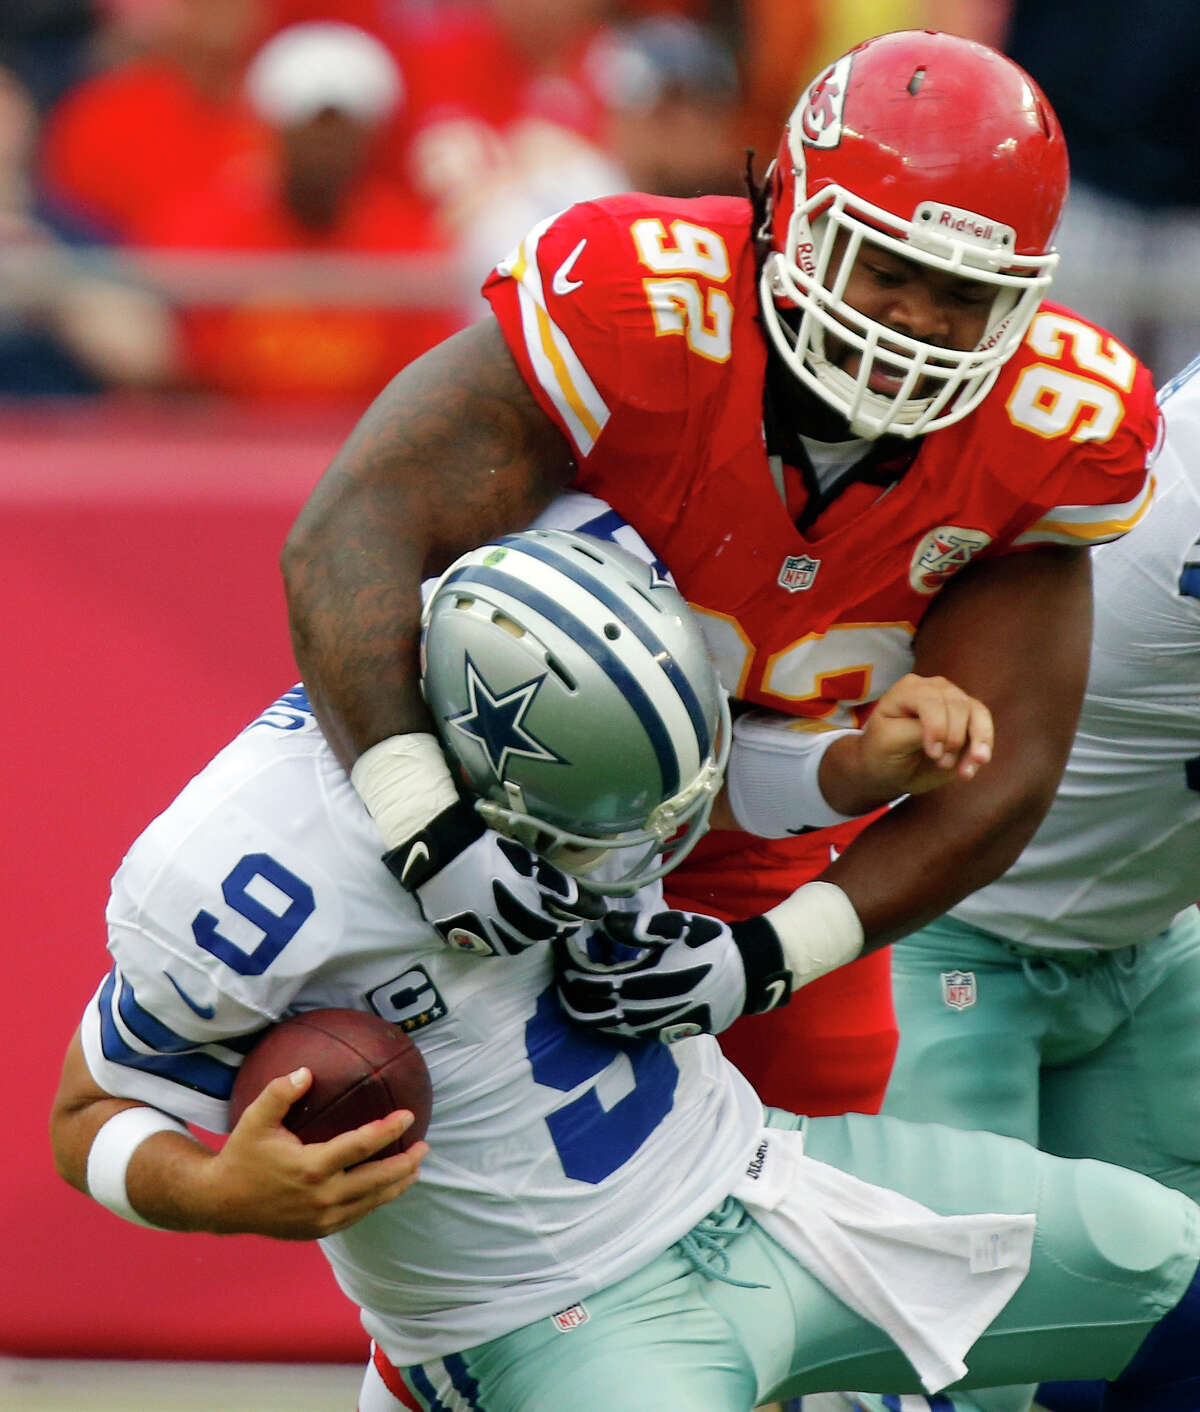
x: 958, y: 989
x: 798, y: 572
x: 567, y: 1319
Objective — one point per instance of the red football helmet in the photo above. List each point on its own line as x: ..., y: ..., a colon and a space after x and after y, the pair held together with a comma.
x: 942, y: 151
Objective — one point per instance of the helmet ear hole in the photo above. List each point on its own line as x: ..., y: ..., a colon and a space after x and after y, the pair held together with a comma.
x: 502, y: 620
x: 560, y: 671
x: 612, y: 631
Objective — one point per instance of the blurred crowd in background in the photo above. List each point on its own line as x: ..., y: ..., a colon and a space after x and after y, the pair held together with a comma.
x: 287, y: 200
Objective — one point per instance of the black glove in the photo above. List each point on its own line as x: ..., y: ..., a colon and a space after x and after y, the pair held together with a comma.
x: 668, y: 975
x: 485, y: 893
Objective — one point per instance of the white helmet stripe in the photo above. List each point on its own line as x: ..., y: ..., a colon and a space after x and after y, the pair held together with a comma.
x: 671, y: 669
x: 656, y: 733
x: 648, y: 661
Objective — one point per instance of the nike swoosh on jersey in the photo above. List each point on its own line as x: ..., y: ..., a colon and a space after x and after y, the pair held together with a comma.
x: 206, y: 1012
x: 562, y: 283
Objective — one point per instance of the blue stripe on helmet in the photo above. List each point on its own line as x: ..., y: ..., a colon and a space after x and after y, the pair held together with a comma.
x: 608, y: 525
x: 597, y: 649
x: 536, y: 549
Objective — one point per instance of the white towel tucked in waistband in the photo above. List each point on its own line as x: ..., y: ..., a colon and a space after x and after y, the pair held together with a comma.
x: 932, y: 1283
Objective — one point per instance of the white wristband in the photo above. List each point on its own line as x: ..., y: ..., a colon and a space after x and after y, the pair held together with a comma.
x: 110, y: 1153
x: 404, y: 781
x: 818, y: 929
x: 772, y: 774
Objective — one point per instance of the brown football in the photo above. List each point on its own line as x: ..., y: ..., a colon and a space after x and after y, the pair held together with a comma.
x: 363, y: 1068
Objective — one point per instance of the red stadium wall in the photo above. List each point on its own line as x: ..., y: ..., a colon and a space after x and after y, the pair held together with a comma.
x: 143, y: 622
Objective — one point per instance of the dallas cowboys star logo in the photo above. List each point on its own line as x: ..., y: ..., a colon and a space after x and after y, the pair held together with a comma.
x: 497, y: 721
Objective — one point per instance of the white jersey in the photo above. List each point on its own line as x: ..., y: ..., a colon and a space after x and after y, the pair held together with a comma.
x: 259, y: 893
x: 1118, y: 855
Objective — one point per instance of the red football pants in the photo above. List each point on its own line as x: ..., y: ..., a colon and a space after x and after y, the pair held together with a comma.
x: 829, y: 1049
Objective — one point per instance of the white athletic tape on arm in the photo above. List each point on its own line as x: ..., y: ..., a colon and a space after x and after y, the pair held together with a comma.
x: 113, y: 1147
x: 405, y: 782
x: 818, y: 929
x: 772, y: 775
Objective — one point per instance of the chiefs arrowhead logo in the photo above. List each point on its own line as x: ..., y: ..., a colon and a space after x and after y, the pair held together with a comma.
x: 941, y: 554
x: 818, y: 115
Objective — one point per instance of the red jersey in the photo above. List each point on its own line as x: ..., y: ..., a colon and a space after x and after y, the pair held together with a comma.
x: 635, y: 323
x: 274, y: 342
x: 123, y: 144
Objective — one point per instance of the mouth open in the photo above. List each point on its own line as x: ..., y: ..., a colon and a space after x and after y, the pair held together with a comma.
x: 887, y: 383
x: 880, y: 379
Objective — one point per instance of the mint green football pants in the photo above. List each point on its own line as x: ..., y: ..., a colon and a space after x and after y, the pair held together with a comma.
x: 1085, y: 1056
x: 736, y: 1320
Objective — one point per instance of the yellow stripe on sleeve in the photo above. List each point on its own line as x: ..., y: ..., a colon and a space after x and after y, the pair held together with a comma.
x: 1082, y: 524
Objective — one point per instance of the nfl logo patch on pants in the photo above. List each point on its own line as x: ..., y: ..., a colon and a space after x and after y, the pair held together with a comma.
x: 958, y: 989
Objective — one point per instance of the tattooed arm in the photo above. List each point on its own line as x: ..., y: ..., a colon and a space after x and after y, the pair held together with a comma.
x: 453, y: 452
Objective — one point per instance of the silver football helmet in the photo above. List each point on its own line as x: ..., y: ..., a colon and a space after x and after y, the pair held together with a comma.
x: 573, y: 687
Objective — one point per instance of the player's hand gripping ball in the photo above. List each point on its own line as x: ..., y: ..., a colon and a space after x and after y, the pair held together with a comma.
x: 363, y: 1068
